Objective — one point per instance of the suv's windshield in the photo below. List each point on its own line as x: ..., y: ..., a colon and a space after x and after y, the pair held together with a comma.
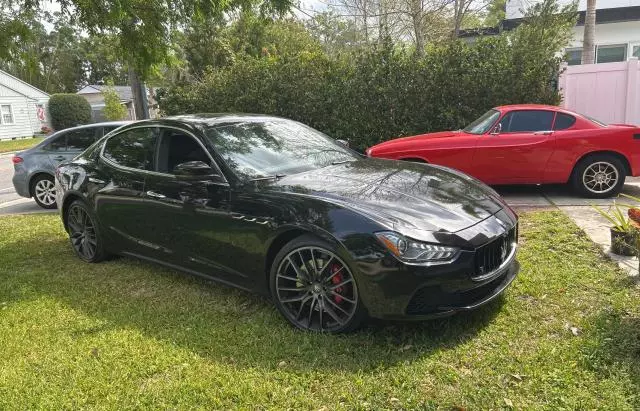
x: 483, y: 123
x: 275, y: 147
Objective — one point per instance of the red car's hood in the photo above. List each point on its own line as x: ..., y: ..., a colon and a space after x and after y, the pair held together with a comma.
x: 406, y: 142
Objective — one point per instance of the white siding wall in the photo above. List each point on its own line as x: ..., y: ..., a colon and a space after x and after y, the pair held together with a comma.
x: 23, y: 99
x: 22, y: 114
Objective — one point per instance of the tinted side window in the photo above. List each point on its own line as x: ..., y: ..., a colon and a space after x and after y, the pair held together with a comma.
x: 58, y: 144
x: 176, y: 148
x: 80, y: 140
x: 133, y: 148
x: 563, y: 121
x: 107, y: 130
x: 527, y: 120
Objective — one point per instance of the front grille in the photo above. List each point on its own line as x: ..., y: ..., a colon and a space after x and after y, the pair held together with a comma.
x: 491, y: 255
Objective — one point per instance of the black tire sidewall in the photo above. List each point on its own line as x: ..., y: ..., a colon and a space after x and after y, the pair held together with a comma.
x: 576, y: 178
x: 100, y: 253
x: 311, y: 240
x: 33, y: 191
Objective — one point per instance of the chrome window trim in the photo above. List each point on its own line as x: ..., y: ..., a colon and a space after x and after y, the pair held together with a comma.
x: 151, y: 172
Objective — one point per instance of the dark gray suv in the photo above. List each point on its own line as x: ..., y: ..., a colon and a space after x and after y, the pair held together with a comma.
x: 34, y: 168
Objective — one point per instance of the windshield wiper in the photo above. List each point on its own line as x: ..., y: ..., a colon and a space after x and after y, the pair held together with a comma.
x: 273, y: 177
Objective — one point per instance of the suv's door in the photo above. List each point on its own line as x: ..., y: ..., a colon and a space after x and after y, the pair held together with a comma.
x: 190, y: 216
x: 71, y: 143
x: 117, y: 185
x: 517, y: 149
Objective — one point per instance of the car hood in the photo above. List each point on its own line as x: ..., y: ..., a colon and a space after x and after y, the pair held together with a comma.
x: 405, y: 143
x: 399, y: 194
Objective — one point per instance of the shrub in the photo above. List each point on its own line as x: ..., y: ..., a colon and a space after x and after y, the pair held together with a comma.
x: 68, y: 110
x: 113, y: 108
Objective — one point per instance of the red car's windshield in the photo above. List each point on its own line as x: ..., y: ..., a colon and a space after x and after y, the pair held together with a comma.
x: 483, y: 123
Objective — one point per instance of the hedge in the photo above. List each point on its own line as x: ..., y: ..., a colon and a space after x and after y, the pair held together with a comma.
x: 68, y: 110
x: 378, y: 94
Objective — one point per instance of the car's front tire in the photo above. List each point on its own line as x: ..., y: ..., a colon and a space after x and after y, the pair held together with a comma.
x: 314, y: 288
x: 43, y: 190
x: 84, y: 233
x: 599, y: 176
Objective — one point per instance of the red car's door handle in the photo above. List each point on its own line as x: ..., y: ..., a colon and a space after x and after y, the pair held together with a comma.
x: 543, y: 133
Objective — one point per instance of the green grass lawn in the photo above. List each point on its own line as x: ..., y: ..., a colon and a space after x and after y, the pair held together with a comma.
x: 127, y: 334
x: 7, y: 146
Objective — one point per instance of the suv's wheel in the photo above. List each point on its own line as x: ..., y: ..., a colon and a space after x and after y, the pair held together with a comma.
x: 314, y: 288
x: 43, y: 190
x: 84, y: 233
x: 599, y: 176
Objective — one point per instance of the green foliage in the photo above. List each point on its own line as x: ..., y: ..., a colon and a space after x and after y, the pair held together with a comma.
x: 113, y: 108
x: 384, y: 92
x: 68, y: 110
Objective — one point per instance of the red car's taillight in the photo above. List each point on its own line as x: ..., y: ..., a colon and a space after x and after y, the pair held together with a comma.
x: 17, y: 160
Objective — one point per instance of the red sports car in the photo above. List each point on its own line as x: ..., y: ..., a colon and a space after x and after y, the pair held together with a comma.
x: 530, y: 144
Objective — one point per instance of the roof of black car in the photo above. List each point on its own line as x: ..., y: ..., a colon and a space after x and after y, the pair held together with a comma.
x: 218, y: 118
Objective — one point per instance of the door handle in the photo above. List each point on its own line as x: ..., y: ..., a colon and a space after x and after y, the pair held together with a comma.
x: 543, y: 133
x: 59, y: 158
x: 155, y: 195
x: 96, y: 180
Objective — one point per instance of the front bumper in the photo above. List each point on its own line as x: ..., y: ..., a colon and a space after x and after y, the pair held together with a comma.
x: 391, y: 289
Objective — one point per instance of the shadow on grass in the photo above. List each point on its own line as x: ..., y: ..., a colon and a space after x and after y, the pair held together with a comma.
x: 214, y: 321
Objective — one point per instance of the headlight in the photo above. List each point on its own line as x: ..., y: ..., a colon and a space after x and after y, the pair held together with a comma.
x: 416, y: 252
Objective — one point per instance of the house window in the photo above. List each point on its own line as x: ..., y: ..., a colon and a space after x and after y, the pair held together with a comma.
x: 574, y: 57
x: 6, y: 114
x: 636, y: 51
x: 611, y: 53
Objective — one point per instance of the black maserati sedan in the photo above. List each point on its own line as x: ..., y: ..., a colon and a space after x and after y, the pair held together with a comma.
x: 275, y: 207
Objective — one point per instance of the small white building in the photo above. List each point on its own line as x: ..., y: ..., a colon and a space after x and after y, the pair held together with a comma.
x: 617, y: 28
x: 23, y: 108
x: 93, y: 94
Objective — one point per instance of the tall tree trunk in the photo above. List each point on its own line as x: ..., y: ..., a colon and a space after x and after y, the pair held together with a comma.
x: 417, y: 17
x: 139, y: 95
x: 588, y: 43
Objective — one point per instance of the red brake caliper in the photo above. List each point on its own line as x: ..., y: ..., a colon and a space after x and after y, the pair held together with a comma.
x: 336, y: 279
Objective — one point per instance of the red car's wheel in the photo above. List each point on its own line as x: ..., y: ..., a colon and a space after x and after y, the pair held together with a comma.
x: 599, y: 176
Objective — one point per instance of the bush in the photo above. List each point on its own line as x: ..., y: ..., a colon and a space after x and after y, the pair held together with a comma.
x: 68, y: 110
x: 385, y: 91
x: 113, y: 108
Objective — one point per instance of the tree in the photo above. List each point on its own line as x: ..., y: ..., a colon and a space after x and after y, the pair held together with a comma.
x: 68, y: 110
x: 144, y: 30
x: 113, y: 108
x: 588, y: 44
x: 496, y: 10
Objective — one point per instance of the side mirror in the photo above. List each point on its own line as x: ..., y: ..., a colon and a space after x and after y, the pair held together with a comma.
x: 194, y: 170
x: 496, y: 130
x: 343, y: 142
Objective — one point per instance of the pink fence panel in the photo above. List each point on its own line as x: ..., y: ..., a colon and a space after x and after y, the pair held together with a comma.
x: 609, y: 92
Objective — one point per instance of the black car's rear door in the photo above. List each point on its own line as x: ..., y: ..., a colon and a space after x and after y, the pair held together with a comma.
x: 117, y: 187
x: 189, y: 220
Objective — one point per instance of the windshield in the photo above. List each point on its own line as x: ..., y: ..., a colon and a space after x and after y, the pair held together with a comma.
x: 255, y: 149
x: 483, y: 123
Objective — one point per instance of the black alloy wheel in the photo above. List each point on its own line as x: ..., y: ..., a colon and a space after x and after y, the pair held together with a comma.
x: 314, y: 288
x: 84, y: 233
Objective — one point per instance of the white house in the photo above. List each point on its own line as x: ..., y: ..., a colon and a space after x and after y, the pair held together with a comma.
x: 23, y: 108
x: 617, y: 28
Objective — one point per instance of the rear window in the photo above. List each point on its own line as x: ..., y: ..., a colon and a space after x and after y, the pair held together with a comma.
x: 564, y: 121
